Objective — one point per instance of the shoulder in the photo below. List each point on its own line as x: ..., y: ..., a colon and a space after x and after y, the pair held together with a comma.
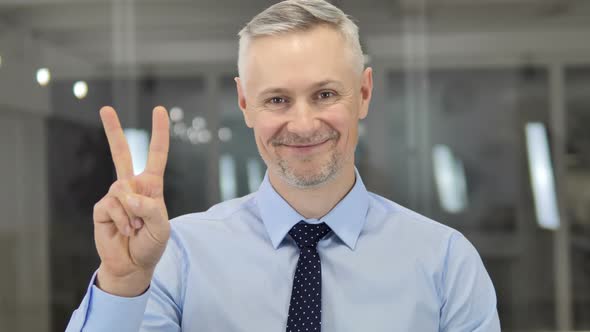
x: 430, y: 240
x: 449, y: 256
x: 218, y: 212
x: 222, y: 216
x: 406, y: 220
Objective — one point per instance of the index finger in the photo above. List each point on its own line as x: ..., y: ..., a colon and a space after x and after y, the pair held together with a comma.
x: 160, y: 142
x: 117, y: 142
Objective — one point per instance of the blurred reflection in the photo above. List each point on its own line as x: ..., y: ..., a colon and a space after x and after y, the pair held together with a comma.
x: 255, y: 173
x: 227, y: 177
x: 541, y: 173
x: 449, y: 176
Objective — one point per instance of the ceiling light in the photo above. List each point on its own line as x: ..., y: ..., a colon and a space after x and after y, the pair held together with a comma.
x: 193, y: 135
x: 80, y: 89
x: 43, y: 76
x: 224, y: 134
x: 176, y: 114
x: 204, y: 136
x: 179, y: 130
x: 199, y: 122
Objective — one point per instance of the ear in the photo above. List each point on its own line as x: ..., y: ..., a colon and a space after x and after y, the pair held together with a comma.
x: 366, y: 91
x: 242, y: 102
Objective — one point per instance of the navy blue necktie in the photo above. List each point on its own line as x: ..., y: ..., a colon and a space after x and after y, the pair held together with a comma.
x: 305, y: 309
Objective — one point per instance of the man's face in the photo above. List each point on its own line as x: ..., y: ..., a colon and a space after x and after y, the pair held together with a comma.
x: 303, y: 96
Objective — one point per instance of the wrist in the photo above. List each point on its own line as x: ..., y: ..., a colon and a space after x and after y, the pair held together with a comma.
x: 131, y: 285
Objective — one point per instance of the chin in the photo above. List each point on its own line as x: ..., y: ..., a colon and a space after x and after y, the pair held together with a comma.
x: 311, y: 174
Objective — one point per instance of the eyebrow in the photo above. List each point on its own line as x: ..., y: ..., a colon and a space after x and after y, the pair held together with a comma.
x: 317, y: 85
x: 326, y: 82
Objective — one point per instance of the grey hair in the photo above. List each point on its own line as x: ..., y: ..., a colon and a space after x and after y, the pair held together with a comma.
x: 300, y: 15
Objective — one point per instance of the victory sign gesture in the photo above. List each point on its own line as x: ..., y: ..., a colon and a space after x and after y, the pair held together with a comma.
x: 131, y: 226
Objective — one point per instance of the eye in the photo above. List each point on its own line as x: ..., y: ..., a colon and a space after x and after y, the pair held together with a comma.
x: 277, y: 100
x: 326, y: 94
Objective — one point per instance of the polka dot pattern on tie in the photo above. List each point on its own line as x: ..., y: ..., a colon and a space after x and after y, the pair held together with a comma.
x: 305, y: 309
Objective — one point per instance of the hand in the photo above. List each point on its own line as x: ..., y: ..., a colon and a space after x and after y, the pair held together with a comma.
x: 131, y: 226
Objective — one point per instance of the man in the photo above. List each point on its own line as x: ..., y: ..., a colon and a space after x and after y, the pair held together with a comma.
x: 311, y: 250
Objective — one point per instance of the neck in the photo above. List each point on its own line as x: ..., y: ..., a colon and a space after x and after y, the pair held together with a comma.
x: 318, y: 201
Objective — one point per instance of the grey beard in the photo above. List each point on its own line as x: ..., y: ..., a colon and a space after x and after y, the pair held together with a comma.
x: 326, y: 173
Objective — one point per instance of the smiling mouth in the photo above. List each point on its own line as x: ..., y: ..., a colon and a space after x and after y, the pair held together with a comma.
x: 303, y: 146
x: 306, y: 145
x: 305, y: 149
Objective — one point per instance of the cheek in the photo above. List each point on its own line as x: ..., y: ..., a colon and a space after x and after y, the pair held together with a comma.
x: 342, y: 120
x: 265, y: 129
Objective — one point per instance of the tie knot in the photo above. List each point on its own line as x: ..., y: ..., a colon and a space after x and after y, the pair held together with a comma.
x: 308, y: 235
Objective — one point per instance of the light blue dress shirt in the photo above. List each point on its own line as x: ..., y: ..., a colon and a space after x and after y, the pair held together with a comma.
x: 231, y: 268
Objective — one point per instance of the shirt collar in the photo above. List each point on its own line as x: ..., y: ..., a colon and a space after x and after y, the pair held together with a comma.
x: 346, y: 219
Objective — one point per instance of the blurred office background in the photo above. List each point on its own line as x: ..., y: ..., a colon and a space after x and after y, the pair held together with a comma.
x: 480, y: 120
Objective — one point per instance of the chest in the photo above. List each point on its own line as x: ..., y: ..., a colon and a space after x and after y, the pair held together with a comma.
x: 249, y: 290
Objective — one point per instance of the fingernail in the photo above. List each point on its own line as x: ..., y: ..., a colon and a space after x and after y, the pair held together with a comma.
x: 127, y: 230
x: 137, y: 223
x: 132, y: 201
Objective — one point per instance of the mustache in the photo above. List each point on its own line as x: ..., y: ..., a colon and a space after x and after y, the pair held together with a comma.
x: 294, y: 139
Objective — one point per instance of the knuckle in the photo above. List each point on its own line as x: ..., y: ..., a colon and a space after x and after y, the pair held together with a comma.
x: 120, y: 219
x: 96, y: 210
x: 112, y: 203
x: 115, y: 187
x: 97, y: 206
x: 120, y: 185
x: 100, y: 205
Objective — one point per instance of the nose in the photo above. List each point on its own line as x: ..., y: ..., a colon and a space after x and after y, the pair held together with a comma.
x: 303, y: 121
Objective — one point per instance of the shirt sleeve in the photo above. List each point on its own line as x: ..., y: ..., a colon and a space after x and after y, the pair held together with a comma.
x: 468, y: 295
x: 101, y: 311
x: 158, y: 309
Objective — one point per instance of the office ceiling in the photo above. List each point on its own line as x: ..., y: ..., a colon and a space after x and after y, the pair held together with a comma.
x: 159, y: 32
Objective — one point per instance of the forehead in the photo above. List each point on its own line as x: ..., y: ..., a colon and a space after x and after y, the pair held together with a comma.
x: 297, y: 58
